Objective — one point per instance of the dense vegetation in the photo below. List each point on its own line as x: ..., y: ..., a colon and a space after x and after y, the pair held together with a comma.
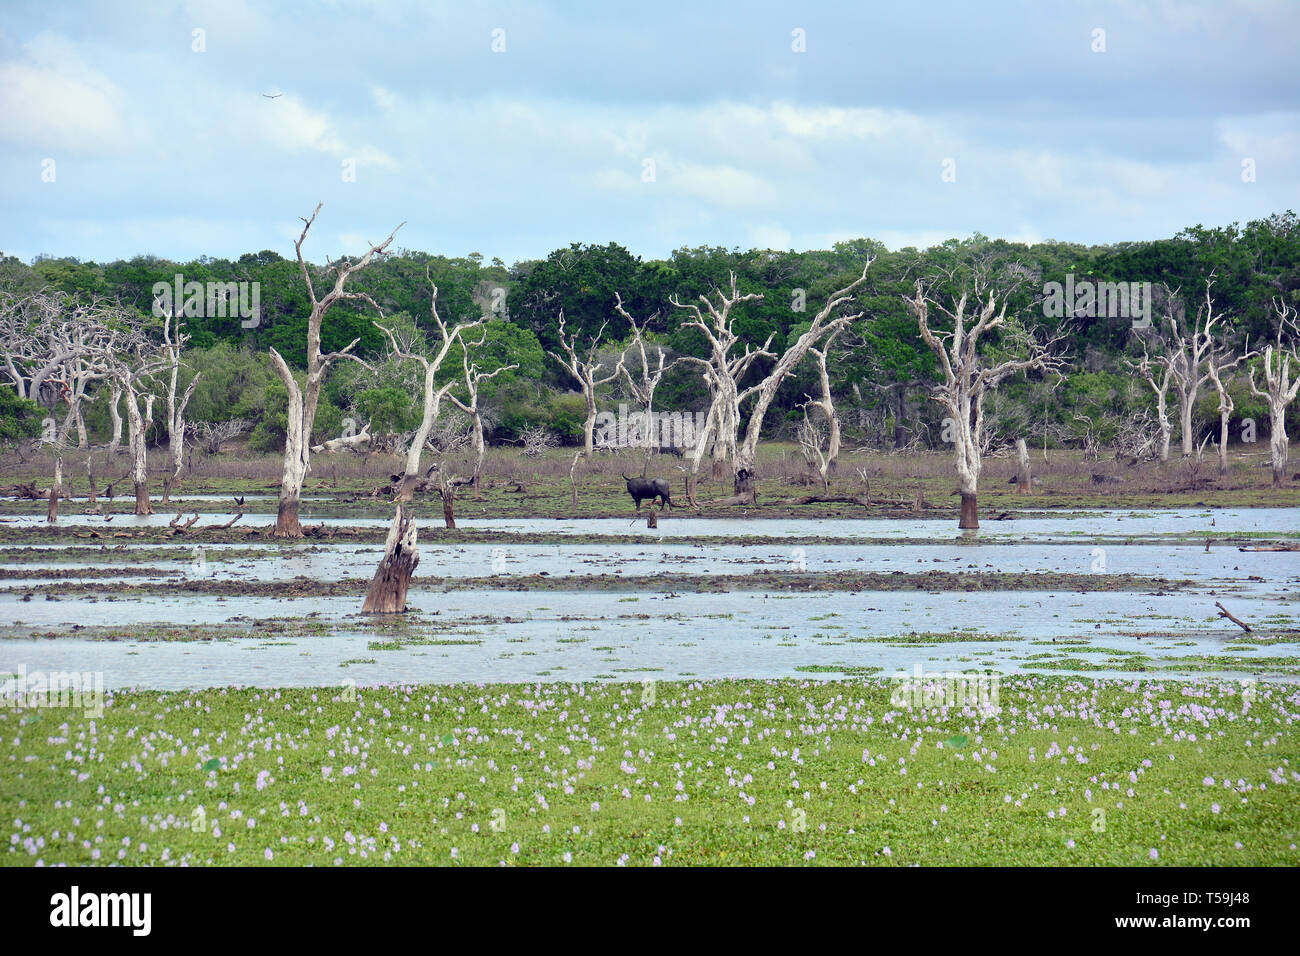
x: 880, y: 374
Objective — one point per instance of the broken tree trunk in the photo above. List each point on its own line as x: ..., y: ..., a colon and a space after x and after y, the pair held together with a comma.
x: 387, y: 594
x: 1223, y: 612
x: 449, y: 504
x: 1024, y: 478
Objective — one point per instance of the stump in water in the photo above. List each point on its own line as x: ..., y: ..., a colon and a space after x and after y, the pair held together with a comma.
x: 653, y: 520
x: 142, y: 505
x: 969, y: 512
x: 449, y: 506
x: 287, y: 524
x: 387, y: 594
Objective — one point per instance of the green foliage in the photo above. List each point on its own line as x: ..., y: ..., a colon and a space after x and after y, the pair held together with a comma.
x: 880, y: 363
x: 19, y: 417
x: 388, y: 410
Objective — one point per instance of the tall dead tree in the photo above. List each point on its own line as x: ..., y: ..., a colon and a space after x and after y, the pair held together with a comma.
x: 301, y: 416
x: 174, y: 342
x: 1220, y: 360
x: 1160, y: 376
x: 722, y: 372
x: 825, y: 402
x: 643, y: 387
x: 388, y: 587
x: 133, y: 360
x: 967, y: 374
x: 765, y: 391
x: 583, y: 369
x: 473, y: 378
x: 1279, y: 390
x: 1189, y: 349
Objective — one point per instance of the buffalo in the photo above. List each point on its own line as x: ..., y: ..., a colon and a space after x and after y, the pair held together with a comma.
x: 652, y: 488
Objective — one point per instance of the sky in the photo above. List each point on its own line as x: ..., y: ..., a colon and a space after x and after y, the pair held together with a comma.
x: 512, y: 129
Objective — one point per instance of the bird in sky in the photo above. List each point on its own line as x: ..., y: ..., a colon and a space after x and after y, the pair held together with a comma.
x: 272, y: 96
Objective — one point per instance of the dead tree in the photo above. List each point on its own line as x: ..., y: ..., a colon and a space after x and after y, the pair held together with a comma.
x: 583, y: 369
x: 1279, y: 390
x: 37, y: 339
x: 473, y: 379
x: 1160, y: 384
x: 132, y: 360
x: 303, y: 401
x: 826, y: 403
x: 115, y: 412
x: 643, y: 388
x: 765, y: 391
x: 172, y: 349
x: 1217, y: 363
x: 722, y: 372
x: 1186, y: 357
x: 967, y: 378
x: 387, y: 594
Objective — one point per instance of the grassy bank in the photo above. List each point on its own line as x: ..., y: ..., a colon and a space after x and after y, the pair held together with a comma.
x: 789, y: 772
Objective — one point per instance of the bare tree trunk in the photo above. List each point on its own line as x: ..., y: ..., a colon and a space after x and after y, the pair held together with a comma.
x: 1279, y: 388
x: 573, y: 478
x: 56, y: 489
x: 296, y: 461
x: 387, y: 594
x: 1187, y: 401
x: 1278, y: 444
x: 480, y: 447
x: 970, y: 518
x: 115, y: 399
x: 1224, y: 415
x: 589, y: 428
x: 92, y: 496
x: 139, y: 453
x: 1024, y: 479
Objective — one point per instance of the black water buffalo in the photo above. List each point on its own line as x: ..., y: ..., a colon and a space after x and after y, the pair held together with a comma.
x: 652, y: 488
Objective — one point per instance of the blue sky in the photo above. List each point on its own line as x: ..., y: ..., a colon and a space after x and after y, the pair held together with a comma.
x: 160, y: 149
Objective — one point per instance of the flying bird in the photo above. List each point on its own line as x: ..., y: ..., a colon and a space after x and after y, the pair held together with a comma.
x: 272, y: 96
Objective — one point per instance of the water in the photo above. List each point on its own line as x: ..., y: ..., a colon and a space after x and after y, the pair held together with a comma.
x: 492, y: 633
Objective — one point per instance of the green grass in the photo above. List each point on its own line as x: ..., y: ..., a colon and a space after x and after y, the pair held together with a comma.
x: 733, y: 772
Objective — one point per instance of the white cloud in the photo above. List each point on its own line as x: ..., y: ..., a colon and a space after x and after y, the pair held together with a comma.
x: 52, y: 100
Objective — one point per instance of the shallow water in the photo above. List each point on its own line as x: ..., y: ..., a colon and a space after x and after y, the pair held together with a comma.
x: 622, y: 634
x: 1223, y: 564
x: 1058, y: 526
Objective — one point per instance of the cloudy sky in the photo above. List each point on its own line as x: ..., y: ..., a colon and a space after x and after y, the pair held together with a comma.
x: 511, y: 129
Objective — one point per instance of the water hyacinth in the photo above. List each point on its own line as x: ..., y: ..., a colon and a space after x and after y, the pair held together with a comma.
x: 783, y: 771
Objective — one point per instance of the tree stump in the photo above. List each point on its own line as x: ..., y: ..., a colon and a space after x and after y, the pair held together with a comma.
x: 387, y: 594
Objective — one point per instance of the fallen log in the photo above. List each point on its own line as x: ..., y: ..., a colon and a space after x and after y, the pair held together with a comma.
x: 177, y: 527
x: 829, y: 499
x: 221, y: 527
x: 1274, y: 547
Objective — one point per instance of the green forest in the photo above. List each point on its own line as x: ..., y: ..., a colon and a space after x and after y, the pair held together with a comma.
x: 881, y: 371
